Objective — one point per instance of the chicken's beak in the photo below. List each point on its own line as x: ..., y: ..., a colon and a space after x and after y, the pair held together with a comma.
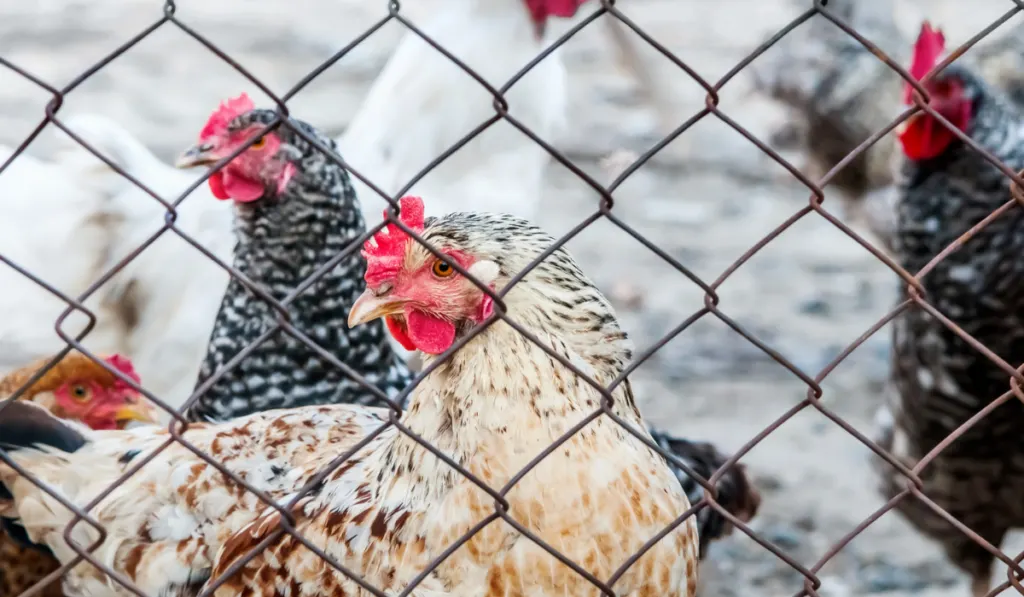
x: 142, y: 411
x: 198, y: 155
x: 369, y: 306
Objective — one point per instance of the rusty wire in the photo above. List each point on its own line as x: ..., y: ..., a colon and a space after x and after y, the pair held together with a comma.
x: 604, y: 210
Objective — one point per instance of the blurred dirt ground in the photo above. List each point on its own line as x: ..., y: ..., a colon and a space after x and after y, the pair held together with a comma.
x: 705, y: 200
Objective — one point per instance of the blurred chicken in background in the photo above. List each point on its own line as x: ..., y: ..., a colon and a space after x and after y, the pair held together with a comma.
x: 57, y: 226
x: 78, y: 390
x: 838, y: 89
x: 420, y: 105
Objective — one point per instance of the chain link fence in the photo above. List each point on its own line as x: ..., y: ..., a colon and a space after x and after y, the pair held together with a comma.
x: 604, y: 209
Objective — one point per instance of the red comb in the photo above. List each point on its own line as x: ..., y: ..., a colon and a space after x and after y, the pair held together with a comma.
x: 227, y: 112
x: 124, y: 365
x: 385, y: 250
x: 927, y: 49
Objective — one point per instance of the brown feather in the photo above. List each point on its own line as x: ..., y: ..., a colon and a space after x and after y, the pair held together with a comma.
x: 73, y: 366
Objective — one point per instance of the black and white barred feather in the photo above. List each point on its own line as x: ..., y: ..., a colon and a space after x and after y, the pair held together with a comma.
x: 282, y: 241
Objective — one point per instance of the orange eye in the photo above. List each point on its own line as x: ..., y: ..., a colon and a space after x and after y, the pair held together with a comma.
x: 443, y: 269
x: 80, y: 393
x: 262, y: 141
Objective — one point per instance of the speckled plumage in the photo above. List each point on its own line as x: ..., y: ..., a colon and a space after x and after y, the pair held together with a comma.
x: 938, y: 380
x: 393, y: 507
x: 281, y: 242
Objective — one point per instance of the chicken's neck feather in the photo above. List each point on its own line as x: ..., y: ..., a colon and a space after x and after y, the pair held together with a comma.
x: 502, y: 388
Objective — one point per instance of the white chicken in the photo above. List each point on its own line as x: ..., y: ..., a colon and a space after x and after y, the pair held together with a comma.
x: 54, y: 225
x: 422, y: 104
x: 170, y: 291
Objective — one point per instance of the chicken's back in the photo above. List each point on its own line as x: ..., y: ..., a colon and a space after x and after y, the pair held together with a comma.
x: 57, y: 226
x: 168, y: 294
x: 422, y: 104
x: 165, y: 522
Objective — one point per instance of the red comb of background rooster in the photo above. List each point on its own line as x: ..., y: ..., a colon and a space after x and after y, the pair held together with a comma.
x: 385, y: 250
x: 228, y: 110
x: 124, y: 365
x: 927, y: 49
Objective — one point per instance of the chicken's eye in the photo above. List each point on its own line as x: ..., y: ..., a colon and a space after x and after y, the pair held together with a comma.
x: 443, y: 269
x: 80, y: 392
x: 262, y: 141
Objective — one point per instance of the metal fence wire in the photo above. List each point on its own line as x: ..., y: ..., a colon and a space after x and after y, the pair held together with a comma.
x: 916, y: 298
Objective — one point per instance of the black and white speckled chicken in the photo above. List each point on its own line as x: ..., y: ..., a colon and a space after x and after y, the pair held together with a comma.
x: 939, y: 381
x: 842, y: 92
x: 295, y: 211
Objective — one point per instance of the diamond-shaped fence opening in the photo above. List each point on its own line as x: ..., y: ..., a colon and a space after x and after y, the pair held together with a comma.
x: 408, y: 499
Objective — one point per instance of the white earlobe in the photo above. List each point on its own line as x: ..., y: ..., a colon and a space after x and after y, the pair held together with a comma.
x: 484, y: 271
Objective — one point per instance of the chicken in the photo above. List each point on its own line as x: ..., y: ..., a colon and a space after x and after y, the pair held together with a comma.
x: 841, y: 91
x: 65, y: 249
x: 939, y: 380
x: 178, y: 524
x: 80, y: 390
x: 170, y: 290
x: 422, y: 95
x: 277, y: 259
x: 295, y: 212
x: 96, y: 219
x: 179, y: 304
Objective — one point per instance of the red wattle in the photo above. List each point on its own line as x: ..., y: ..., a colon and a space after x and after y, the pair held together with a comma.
x: 398, y: 331
x: 241, y: 189
x: 216, y: 182
x: 430, y: 334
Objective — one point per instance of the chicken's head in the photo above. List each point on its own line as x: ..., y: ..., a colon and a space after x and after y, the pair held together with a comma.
x: 77, y: 388
x: 541, y: 10
x: 421, y: 297
x: 923, y: 137
x: 261, y: 170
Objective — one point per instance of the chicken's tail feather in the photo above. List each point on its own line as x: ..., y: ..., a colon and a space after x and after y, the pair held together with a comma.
x: 24, y: 425
x: 735, y: 491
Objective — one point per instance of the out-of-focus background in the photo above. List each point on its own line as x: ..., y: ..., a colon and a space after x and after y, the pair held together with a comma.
x: 705, y: 200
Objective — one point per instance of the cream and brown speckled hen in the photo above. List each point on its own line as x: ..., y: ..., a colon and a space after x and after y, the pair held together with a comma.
x: 76, y: 389
x: 393, y: 507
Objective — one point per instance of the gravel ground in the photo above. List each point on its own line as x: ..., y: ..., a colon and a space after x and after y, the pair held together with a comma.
x: 705, y: 200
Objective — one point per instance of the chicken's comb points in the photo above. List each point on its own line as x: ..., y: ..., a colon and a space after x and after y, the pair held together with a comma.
x: 124, y: 365
x: 385, y: 250
x: 227, y: 111
x: 927, y: 49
